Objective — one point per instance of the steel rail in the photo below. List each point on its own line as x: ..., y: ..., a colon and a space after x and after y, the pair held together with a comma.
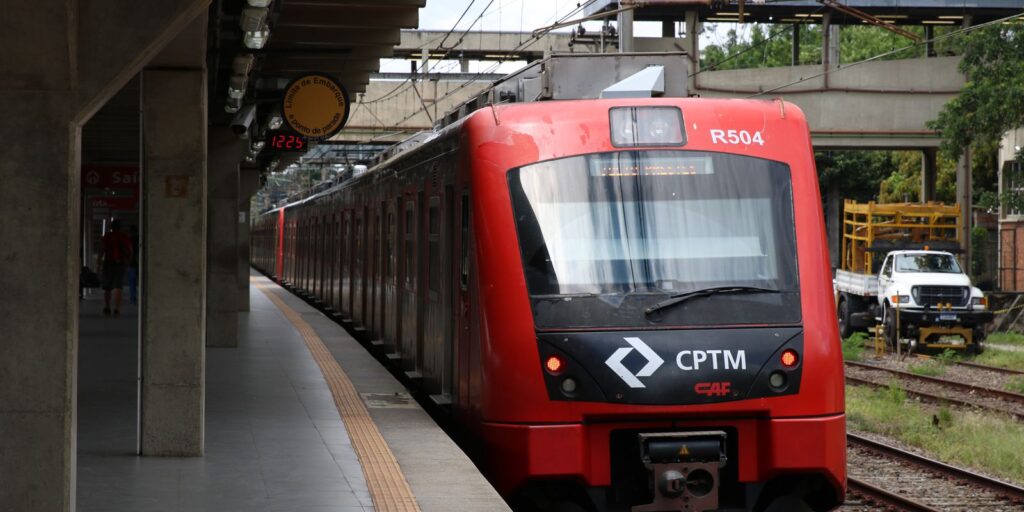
x: 996, y: 369
x: 935, y: 399
x: 879, y: 495
x: 1007, y: 490
x: 962, y: 386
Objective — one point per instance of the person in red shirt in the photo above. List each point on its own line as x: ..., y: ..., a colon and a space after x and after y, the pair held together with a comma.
x: 114, y: 260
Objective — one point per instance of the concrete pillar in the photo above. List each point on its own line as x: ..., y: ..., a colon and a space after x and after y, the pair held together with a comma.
x: 795, y: 58
x: 626, y: 31
x: 692, y: 45
x: 225, y: 153
x: 668, y: 28
x: 173, y: 261
x: 964, y: 196
x: 834, y: 222
x: 69, y: 58
x: 248, y: 184
x: 39, y: 199
x: 928, y: 174
x: 830, y: 43
x: 929, y: 46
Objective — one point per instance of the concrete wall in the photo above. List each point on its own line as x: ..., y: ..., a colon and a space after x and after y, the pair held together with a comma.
x: 883, y: 104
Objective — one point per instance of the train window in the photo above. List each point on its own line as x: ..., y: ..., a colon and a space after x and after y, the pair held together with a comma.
x: 620, y: 241
x: 434, y: 245
x: 410, y: 244
x: 464, y: 272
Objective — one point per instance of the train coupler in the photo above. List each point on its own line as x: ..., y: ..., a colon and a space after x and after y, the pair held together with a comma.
x: 684, y: 470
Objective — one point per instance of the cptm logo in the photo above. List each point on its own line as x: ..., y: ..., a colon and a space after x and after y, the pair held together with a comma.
x: 653, y: 362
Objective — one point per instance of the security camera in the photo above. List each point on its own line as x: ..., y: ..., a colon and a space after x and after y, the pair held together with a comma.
x: 243, y: 120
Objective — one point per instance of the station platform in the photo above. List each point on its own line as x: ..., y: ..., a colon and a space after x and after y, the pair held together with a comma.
x: 280, y: 436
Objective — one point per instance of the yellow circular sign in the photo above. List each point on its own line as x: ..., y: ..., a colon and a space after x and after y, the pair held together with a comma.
x: 315, y: 106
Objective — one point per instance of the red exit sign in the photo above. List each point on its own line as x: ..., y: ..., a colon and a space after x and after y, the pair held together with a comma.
x: 284, y: 141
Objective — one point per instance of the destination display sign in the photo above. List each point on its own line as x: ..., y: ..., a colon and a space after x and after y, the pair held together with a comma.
x: 315, y: 106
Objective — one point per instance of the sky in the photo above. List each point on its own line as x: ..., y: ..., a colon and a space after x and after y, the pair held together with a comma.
x: 505, y: 15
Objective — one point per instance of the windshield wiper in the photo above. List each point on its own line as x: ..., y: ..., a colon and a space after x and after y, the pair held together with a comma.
x: 717, y: 290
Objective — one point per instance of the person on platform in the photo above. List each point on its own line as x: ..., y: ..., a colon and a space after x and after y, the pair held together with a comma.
x: 114, y: 260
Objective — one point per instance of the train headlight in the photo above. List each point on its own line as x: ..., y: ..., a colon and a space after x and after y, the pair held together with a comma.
x: 569, y: 386
x: 646, y: 126
x: 554, y: 365
x: 789, y: 358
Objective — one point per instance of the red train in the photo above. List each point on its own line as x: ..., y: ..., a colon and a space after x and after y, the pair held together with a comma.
x: 626, y: 303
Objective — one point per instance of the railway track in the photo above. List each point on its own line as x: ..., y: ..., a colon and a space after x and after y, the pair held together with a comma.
x: 938, y: 391
x: 995, y: 369
x: 1013, y: 494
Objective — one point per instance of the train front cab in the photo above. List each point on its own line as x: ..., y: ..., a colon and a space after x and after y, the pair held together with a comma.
x: 593, y: 219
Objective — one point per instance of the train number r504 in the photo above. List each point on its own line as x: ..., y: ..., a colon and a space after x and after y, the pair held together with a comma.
x: 736, y: 137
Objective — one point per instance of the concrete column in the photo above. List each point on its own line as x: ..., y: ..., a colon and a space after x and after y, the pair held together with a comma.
x: 225, y: 153
x: 795, y: 58
x: 929, y: 46
x: 173, y: 261
x: 693, y: 28
x: 668, y: 28
x: 248, y: 184
x: 39, y: 200
x: 928, y: 174
x: 964, y: 196
x: 830, y: 43
x: 626, y: 31
x: 834, y: 222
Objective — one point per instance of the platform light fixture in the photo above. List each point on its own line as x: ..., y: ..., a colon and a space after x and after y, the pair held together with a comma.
x: 237, y: 85
x: 259, y: 3
x: 253, y: 18
x: 242, y: 64
x: 256, y: 39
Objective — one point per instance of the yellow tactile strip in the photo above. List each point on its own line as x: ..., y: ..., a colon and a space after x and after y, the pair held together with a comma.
x: 388, y: 487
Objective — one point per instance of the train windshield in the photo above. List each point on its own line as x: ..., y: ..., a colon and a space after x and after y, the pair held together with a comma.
x: 605, y: 236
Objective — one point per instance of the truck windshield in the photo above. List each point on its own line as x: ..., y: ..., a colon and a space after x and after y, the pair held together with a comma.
x: 603, y: 236
x: 938, y: 263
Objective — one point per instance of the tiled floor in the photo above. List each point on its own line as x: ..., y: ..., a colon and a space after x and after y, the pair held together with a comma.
x: 274, y: 440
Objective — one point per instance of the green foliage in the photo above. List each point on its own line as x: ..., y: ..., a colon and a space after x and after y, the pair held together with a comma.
x: 963, y: 438
x: 1007, y: 338
x: 853, y: 347
x: 1016, y: 385
x: 1002, y: 358
x: 948, y: 357
x: 928, y: 369
x: 990, y: 102
x: 893, y: 393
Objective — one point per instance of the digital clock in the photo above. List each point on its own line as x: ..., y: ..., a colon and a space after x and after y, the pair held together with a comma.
x: 282, y: 141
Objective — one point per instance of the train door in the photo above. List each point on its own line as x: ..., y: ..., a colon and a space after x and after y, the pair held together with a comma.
x: 463, y: 300
x: 346, y: 280
x: 390, y: 260
x: 377, y: 307
x: 450, y: 288
x: 358, y: 314
x: 315, y: 255
x: 433, y: 314
x: 408, y: 305
x: 336, y: 260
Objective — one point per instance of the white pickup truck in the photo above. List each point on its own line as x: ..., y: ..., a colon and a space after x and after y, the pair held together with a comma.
x: 937, y: 305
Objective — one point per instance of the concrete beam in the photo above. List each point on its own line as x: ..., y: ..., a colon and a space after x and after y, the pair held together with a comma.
x: 883, y: 104
x: 478, y: 45
x: 173, y: 265
x: 348, y: 16
x: 116, y: 38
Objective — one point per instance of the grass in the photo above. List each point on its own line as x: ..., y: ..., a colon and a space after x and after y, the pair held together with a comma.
x: 1001, y: 358
x: 1016, y: 385
x: 930, y: 368
x: 853, y: 347
x: 964, y: 438
x: 1006, y: 338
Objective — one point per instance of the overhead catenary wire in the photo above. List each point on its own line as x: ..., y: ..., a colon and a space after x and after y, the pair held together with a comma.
x: 518, y: 47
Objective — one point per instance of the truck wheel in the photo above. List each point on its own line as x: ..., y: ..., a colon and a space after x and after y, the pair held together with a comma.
x: 844, y: 318
x: 889, y: 327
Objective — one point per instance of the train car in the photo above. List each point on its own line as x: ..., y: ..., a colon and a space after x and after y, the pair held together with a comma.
x: 625, y: 303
